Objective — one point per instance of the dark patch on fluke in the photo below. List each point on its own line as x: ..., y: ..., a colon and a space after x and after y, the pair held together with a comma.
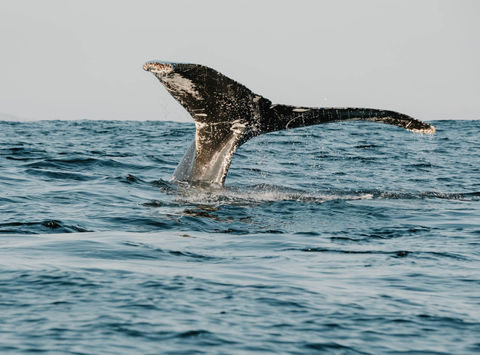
x: 227, y: 114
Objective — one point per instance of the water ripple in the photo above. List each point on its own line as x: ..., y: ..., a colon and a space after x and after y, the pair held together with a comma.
x: 350, y: 238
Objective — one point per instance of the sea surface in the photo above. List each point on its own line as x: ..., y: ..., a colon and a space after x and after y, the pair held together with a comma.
x: 346, y: 238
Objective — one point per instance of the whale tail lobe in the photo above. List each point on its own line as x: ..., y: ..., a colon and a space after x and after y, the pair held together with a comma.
x: 227, y: 114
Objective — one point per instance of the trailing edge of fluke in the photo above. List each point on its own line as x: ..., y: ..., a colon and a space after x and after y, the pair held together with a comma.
x: 227, y: 114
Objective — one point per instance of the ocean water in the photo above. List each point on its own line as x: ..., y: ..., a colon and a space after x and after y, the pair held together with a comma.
x: 347, y: 238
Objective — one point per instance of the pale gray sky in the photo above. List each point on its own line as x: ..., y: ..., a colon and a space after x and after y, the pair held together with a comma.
x: 65, y: 59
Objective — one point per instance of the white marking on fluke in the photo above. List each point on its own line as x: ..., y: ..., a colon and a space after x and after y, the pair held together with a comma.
x: 429, y: 130
x: 183, y: 85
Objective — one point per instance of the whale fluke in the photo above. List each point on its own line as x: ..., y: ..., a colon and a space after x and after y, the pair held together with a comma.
x: 227, y: 114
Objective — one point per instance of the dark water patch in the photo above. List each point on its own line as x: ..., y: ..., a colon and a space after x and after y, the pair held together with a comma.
x: 47, y: 226
x: 397, y: 253
x: 367, y: 146
x: 448, y: 320
x: 201, y: 212
x: 271, y: 231
x: 157, y: 203
x: 157, y: 159
x: 422, y: 165
x: 194, y: 333
x: 58, y: 175
x: 331, y: 347
x: 130, y: 179
x: 20, y: 158
x: 107, y: 154
x: 22, y: 151
x: 106, y: 251
x: 63, y: 163
x: 80, y: 163
x: 397, y: 232
x: 232, y: 231
x: 373, y: 235
x: 309, y: 233
x: 34, y: 281
x: 140, y: 223
x: 165, y: 185
x: 288, y: 305
x: 154, y: 252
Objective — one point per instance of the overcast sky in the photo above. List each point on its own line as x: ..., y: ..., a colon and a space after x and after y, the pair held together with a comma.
x: 65, y: 59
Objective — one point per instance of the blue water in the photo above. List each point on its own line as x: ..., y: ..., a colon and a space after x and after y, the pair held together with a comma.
x: 355, y: 238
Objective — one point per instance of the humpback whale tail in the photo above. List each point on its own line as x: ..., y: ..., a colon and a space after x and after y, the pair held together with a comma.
x: 227, y: 114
